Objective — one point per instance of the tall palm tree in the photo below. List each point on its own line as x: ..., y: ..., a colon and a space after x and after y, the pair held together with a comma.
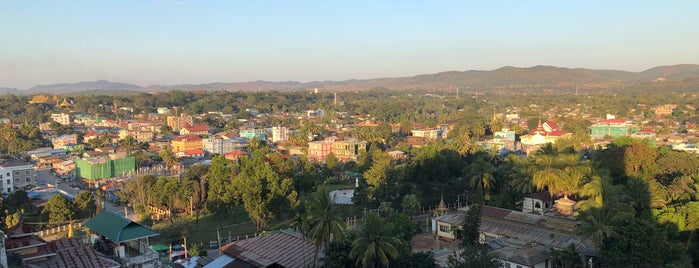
x: 374, y: 247
x: 324, y: 224
x: 481, y: 174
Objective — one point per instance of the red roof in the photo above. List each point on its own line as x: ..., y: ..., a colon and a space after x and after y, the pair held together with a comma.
x: 552, y: 125
x: 613, y: 121
x: 236, y: 153
x: 197, y: 128
x: 647, y: 130
x: 556, y: 133
x: 194, y: 152
x: 187, y: 138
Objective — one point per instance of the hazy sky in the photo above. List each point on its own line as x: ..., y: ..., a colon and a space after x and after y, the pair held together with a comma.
x: 172, y: 42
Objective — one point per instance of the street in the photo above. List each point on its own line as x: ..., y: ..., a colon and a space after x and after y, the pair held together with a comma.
x: 66, y: 186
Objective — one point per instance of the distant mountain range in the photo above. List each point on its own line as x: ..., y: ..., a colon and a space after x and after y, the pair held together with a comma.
x: 537, y: 76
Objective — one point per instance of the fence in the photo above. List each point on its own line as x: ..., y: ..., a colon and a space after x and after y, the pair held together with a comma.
x: 60, y: 228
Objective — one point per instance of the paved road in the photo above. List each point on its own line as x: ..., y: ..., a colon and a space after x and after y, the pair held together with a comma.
x: 49, y: 178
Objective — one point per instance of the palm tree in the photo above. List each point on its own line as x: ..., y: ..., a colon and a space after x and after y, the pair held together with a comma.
x: 374, y: 247
x: 481, y: 175
x: 324, y: 225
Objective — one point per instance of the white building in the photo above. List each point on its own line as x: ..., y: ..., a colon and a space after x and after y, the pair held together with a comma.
x: 62, y: 118
x: 280, y: 134
x: 16, y: 174
x: 218, y: 145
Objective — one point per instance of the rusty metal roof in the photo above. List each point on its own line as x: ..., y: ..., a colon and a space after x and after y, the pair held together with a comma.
x: 285, y: 249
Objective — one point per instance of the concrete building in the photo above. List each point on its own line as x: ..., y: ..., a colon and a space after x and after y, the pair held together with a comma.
x: 219, y: 145
x: 348, y: 150
x: 16, y: 175
x: 164, y: 110
x: 612, y: 127
x: 179, y: 122
x: 280, y: 134
x: 319, y: 150
x: 60, y: 142
x: 186, y: 143
x: 249, y: 133
x: 428, y: 133
x: 62, y: 118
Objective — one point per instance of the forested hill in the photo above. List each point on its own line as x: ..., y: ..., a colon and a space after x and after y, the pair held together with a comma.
x: 505, y: 77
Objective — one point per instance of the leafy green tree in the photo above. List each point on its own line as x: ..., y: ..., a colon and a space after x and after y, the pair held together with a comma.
x: 264, y: 192
x: 219, y: 197
x: 85, y: 205
x: 374, y: 247
x: 331, y: 160
x: 58, y: 209
x: 411, y: 204
x: 566, y: 258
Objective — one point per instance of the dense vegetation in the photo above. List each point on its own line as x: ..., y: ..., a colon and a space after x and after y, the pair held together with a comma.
x: 633, y: 196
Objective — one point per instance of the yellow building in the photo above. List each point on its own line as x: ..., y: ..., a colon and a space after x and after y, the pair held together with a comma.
x: 186, y: 143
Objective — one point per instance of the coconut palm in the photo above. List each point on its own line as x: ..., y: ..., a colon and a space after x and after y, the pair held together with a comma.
x: 481, y: 175
x: 374, y: 247
x: 324, y: 225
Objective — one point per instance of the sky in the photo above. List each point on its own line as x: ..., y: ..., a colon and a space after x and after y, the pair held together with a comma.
x: 169, y: 42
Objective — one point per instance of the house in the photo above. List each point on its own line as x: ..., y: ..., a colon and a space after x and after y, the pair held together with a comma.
x: 27, y: 244
x: 538, y: 203
x: 515, y: 253
x: 282, y: 249
x: 128, y: 238
x: 235, y: 155
x: 16, y: 174
x: 61, y: 141
x: 195, y: 130
x: 397, y: 156
x: 194, y: 153
x: 186, y: 143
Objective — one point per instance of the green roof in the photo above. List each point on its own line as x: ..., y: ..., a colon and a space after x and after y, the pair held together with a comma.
x: 117, y: 228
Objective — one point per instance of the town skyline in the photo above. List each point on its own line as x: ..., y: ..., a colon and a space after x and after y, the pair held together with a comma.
x: 186, y: 42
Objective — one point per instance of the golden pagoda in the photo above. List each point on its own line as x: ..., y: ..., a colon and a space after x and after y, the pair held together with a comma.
x: 39, y: 99
x: 65, y: 103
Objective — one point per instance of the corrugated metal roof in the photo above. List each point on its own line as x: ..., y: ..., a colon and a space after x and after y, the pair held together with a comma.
x: 117, y: 228
x: 287, y: 249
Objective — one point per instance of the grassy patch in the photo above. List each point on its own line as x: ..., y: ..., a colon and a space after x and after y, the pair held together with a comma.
x: 236, y: 226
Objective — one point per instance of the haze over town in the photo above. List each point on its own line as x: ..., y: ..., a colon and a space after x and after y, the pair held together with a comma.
x: 196, y: 42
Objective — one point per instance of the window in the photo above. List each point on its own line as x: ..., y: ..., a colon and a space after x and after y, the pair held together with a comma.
x: 8, y: 174
x: 29, y: 179
x: 16, y: 173
x: 444, y: 228
x: 16, y: 180
x: 9, y: 182
x: 9, y: 190
x: 26, y: 172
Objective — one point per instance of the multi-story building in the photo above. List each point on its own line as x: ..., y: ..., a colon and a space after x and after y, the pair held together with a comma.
x: 60, y: 142
x: 612, y: 127
x: 141, y: 136
x: 280, y: 134
x: 259, y: 134
x: 15, y: 175
x: 219, y: 145
x: 348, y: 150
x: 102, y: 167
x: 62, y: 118
x: 319, y: 150
x: 428, y: 133
x: 179, y: 122
x: 186, y: 143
